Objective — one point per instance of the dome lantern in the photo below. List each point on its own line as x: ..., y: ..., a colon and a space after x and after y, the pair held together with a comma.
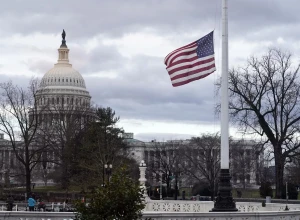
x: 63, y: 51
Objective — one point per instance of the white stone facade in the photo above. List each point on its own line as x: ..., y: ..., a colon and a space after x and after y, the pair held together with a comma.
x: 146, y: 151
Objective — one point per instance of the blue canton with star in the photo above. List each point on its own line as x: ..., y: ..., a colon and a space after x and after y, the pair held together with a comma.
x: 205, y: 45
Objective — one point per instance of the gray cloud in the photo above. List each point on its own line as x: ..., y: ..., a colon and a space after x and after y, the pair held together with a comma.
x: 138, y: 87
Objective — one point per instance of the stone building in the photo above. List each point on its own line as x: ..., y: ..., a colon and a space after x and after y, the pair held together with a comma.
x: 246, y: 159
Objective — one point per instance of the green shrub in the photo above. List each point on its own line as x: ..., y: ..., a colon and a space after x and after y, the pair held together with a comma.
x: 201, y: 189
x: 265, y: 189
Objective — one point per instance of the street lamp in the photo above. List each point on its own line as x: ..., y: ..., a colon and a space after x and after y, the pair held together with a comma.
x: 286, y: 197
x: 160, y: 187
x: 142, y: 178
x: 107, y: 168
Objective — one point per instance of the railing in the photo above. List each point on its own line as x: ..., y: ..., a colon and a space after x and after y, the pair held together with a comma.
x: 281, y: 215
x: 178, y: 210
x: 22, y: 206
x: 290, y: 215
x: 178, y: 206
x: 206, y: 206
x: 21, y: 215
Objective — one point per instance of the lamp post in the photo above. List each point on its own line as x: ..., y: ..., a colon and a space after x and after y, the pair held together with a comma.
x: 160, y: 187
x: 286, y: 197
x: 142, y: 178
x: 190, y: 191
x: 107, y: 169
x: 177, y: 173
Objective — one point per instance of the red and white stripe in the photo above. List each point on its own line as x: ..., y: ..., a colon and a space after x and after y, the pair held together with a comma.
x: 184, y: 66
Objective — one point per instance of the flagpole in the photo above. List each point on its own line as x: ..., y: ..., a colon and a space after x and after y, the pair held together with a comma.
x: 224, y: 90
x: 224, y: 201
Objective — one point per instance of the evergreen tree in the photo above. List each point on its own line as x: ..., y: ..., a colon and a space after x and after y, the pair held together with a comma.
x: 121, y: 198
x: 101, y: 145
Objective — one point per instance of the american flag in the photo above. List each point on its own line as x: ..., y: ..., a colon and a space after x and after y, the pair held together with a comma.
x: 191, y: 62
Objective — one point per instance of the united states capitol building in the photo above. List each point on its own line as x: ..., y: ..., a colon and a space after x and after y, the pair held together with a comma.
x: 63, y: 89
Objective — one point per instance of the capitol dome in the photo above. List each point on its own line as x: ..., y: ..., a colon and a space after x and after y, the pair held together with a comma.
x: 62, y: 84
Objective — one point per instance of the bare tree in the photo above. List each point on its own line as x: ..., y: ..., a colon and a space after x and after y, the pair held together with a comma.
x: 264, y: 100
x: 165, y: 163
x: 202, y: 160
x: 62, y: 129
x: 19, y: 121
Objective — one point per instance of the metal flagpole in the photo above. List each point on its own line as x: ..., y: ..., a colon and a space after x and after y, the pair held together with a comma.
x: 224, y: 201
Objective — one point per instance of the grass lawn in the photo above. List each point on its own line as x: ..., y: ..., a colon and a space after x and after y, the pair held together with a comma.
x: 247, y: 193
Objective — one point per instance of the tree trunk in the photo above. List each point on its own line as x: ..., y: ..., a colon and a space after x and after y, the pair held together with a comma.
x: 28, y: 180
x: 279, y: 168
x: 212, y: 188
x: 65, y: 178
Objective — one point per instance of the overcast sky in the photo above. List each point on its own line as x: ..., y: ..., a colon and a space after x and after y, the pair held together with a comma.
x: 119, y: 46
